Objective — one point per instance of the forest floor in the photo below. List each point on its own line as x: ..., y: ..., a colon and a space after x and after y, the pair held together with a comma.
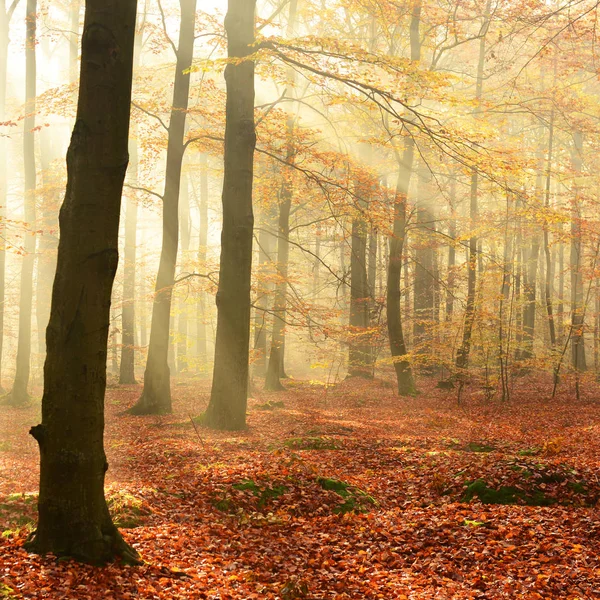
x: 346, y: 492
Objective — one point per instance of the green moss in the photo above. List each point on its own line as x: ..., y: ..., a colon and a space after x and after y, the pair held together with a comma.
x: 7, y: 592
x: 312, y: 443
x: 505, y: 495
x: 529, y: 451
x: 126, y: 510
x: 355, y: 500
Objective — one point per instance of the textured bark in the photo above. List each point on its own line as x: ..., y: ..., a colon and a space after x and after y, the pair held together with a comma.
x: 156, y: 396
x: 48, y: 240
x: 73, y: 515
x: 229, y: 394
x: 19, y: 394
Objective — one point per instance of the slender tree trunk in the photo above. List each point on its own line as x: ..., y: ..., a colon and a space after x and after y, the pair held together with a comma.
x: 547, y: 252
x: 127, y: 366
x: 5, y: 18
x: 450, y: 288
x: 19, y: 395
x: 424, y: 286
x: 73, y: 515
x: 202, y: 254
x: 182, y: 322
x: 265, y: 243
x: 462, y: 356
x: 404, y: 375
x: 577, y: 305
x: 229, y: 394
x: 274, y: 367
x: 156, y: 396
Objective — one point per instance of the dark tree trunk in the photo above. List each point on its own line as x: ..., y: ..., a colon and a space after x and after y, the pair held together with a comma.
x: 73, y: 515
x: 229, y: 394
x: 156, y: 396
x: 19, y: 395
x: 359, y: 356
x: 404, y: 375
x: 48, y: 241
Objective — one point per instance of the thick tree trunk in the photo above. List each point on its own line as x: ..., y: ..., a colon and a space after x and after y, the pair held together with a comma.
x: 156, y: 396
x: 19, y: 395
x: 404, y: 375
x: 229, y: 394
x: 73, y: 515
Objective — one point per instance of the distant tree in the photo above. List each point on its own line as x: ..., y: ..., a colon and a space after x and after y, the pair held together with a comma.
x: 156, y: 396
x: 19, y: 395
x: 5, y: 18
x: 229, y: 394
x: 73, y: 516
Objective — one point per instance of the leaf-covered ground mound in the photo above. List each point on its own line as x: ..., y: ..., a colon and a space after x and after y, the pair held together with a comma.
x: 346, y: 492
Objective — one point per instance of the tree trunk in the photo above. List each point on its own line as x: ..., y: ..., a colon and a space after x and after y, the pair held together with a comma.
x: 274, y: 368
x: 182, y: 321
x: 424, y: 301
x: 462, y: 356
x: 5, y: 18
x: 73, y: 515
x: 127, y: 366
x: 577, y: 305
x: 156, y: 396
x: 404, y: 376
x: 229, y: 394
x: 202, y: 253
x: 19, y: 396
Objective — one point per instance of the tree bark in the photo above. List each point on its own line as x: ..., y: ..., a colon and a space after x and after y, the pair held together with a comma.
x: 229, y: 394
x: 185, y: 233
x: 73, y: 515
x: 19, y: 395
x: 156, y: 395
